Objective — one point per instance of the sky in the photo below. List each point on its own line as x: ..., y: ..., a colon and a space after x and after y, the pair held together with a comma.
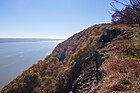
x: 50, y: 18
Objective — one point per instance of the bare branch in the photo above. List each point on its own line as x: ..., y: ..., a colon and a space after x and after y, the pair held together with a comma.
x: 133, y: 5
x: 121, y: 3
x: 130, y: 14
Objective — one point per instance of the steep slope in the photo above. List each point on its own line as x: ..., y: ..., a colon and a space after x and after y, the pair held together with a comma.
x: 74, y: 65
x: 91, y: 74
x: 122, y: 64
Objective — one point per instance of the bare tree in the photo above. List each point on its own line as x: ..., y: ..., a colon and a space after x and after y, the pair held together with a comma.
x: 130, y: 14
x: 135, y: 4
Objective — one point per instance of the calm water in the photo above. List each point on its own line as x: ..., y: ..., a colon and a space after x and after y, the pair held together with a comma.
x: 16, y: 57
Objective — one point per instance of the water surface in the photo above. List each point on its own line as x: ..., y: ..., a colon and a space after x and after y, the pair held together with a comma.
x: 18, y: 55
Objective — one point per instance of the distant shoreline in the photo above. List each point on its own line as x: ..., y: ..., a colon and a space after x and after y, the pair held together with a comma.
x: 7, y: 40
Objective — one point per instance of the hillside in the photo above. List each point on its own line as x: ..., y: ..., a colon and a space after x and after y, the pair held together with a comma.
x: 103, y: 58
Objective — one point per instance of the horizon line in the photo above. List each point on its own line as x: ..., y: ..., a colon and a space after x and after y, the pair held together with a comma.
x: 32, y: 38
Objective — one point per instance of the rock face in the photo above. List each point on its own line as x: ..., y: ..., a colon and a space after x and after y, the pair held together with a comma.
x: 86, y: 78
x: 104, y: 58
x: 119, y: 66
x: 91, y: 73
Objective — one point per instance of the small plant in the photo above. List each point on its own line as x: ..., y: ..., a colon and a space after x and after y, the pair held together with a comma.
x: 135, y: 51
x: 136, y: 84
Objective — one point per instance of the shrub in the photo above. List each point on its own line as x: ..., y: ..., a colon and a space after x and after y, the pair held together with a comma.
x: 128, y: 15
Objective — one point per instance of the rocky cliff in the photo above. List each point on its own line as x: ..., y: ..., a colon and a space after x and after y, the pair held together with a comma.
x: 103, y: 58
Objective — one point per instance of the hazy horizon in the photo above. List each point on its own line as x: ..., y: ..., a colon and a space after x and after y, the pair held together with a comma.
x: 30, y: 38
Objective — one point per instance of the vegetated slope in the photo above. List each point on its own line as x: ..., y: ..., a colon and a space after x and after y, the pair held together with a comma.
x: 54, y: 73
x: 122, y: 63
x: 74, y: 65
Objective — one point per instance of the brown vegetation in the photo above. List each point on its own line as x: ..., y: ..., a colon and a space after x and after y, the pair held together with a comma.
x: 122, y: 64
x: 57, y: 72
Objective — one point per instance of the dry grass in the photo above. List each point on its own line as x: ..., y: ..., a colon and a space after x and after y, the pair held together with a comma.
x: 121, y: 67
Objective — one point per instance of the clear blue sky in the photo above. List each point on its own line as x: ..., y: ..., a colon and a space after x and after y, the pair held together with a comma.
x: 50, y: 18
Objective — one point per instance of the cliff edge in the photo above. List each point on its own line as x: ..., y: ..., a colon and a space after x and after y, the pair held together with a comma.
x: 103, y: 58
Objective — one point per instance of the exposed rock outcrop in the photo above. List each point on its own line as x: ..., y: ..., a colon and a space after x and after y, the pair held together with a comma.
x: 99, y: 59
x: 91, y: 74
